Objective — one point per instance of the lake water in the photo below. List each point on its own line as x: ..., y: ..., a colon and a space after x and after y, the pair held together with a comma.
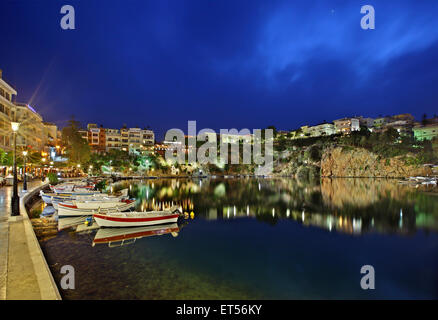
x: 261, y: 239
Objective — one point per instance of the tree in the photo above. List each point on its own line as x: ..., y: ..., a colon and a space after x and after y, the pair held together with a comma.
x: 77, y: 148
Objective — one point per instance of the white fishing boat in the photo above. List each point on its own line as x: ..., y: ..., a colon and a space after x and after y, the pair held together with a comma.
x: 84, y: 200
x: 136, y: 219
x: 87, y: 208
x: 122, y: 236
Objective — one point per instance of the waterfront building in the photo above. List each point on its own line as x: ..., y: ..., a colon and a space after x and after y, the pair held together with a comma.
x: 346, y: 125
x: 124, y: 133
x: 426, y: 132
x: 126, y: 139
x: 148, y: 137
x: 52, y: 131
x: 113, y: 139
x: 6, y: 111
x: 32, y: 133
x: 96, y: 138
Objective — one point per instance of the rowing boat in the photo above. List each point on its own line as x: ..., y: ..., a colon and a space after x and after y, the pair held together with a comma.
x: 136, y: 219
x: 75, y: 209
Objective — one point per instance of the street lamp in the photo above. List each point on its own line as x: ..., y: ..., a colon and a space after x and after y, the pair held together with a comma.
x: 24, y: 169
x: 15, y: 201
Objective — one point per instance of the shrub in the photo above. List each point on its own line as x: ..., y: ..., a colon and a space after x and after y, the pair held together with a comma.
x: 53, y: 178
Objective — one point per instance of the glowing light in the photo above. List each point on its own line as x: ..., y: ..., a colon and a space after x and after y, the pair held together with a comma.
x: 25, y: 153
x: 15, y: 126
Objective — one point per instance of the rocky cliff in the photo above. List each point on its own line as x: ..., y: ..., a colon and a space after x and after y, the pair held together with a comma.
x: 358, y: 162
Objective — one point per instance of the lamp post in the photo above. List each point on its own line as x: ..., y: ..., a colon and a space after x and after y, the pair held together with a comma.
x: 15, y: 201
x: 24, y: 169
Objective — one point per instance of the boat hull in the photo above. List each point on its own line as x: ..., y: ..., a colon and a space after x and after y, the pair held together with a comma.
x: 125, y: 221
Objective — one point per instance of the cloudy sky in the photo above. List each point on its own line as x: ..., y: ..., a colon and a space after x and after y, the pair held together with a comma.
x: 225, y: 63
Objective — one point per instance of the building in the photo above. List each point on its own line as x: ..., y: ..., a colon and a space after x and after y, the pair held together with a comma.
x: 52, y: 134
x: 124, y: 133
x: 322, y: 129
x: 148, y: 137
x: 379, y: 122
x: 403, y: 123
x: 347, y: 125
x: 32, y: 133
x: 426, y: 132
x: 113, y: 139
x: 7, y: 108
x: 126, y: 139
x: 366, y: 122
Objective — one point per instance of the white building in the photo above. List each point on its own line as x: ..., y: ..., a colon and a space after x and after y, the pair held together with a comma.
x: 347, y: 125
x: 323, y: 129
x: 6, y: 113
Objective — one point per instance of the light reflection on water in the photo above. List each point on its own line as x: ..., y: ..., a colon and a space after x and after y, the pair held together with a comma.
x: 261, y: 238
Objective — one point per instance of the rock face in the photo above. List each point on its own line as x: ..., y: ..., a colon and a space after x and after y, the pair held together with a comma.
x: 338, y: 162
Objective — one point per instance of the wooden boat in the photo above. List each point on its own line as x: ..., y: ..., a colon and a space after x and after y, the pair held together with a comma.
x: 70, y: 209
x: 122, y: 236
x: 136, y: 219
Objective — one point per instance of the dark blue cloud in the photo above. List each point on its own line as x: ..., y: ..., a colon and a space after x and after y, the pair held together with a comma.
x: 223, y: 63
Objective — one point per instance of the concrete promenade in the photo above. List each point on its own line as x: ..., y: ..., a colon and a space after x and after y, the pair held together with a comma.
x: 24, y: 273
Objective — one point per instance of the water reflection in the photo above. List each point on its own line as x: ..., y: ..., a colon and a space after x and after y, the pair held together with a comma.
x: 353, y: 206
x: 117, y: 237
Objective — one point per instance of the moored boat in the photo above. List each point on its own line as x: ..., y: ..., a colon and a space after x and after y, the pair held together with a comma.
x: 76, y: 208
x: 136, y: 219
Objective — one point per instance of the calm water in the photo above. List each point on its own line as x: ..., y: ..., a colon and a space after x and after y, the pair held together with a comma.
x: 261, y: 238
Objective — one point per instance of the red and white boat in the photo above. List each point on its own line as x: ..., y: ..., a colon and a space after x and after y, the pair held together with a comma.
x: 136, y: 219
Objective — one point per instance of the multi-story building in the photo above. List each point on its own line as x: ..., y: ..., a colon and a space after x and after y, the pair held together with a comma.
x: 113, y: 139
x: 52, y: 134
x: 366, y: 122
x: 426, y: 132
x: 380, y: 121
x: 403, y: 123
x: 96, y: 138
x: 135, y: 139
x: 32, y: 133
x: 125, y: 139
x: 347, y: 125
x: 148, y: 137
x: 323, y: 129
x: 6, y: 113
x: 124, y: 133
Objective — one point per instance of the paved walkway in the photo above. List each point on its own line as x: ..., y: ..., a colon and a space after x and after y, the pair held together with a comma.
x: 24, y: 274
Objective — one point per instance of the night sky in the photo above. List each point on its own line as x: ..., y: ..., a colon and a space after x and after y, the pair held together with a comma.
x: 227, y: 64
